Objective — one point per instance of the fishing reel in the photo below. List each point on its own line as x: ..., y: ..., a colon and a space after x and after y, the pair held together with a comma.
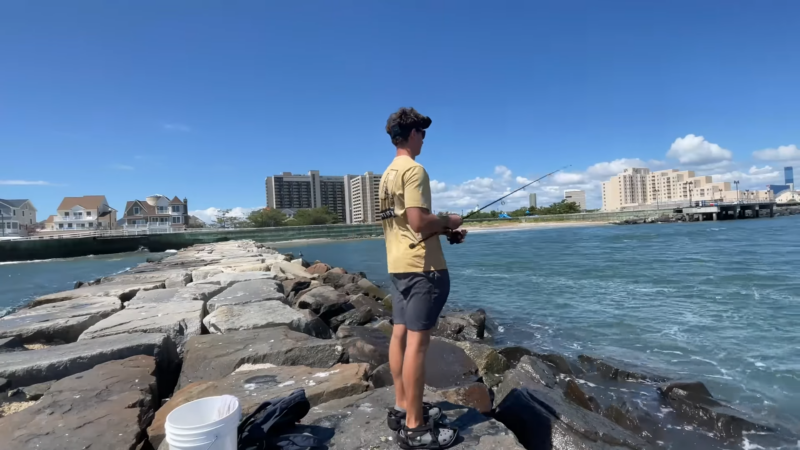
x: 387, y: 213
x: 455, y: 236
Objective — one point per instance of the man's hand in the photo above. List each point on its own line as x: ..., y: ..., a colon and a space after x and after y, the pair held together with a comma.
x: 453, y: 221
x: 456, y: 236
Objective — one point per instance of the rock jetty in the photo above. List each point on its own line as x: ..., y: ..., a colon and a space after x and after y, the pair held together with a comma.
x: 101, y: 366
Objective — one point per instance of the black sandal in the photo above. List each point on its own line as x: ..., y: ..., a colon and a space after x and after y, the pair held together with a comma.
x: 397, y: 419
x: 434, y: 435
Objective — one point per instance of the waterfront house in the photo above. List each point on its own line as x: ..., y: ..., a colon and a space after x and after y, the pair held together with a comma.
x: 87, y: 213
x: 156, y: 213
x: 17, y: 217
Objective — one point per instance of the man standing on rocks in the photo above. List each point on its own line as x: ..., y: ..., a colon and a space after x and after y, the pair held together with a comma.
x: 419, y: 275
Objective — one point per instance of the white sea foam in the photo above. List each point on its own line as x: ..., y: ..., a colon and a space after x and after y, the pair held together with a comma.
x: 27, y: 262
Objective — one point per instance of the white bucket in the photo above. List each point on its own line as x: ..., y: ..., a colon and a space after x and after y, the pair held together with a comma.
x: 197, y: 425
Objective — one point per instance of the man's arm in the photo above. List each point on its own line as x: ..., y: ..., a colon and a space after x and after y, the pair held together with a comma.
x: 423, y: 222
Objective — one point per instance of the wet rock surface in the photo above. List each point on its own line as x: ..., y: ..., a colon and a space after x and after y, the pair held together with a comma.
x: 63, y: 321
x: 108, y: 406
x: 122, y: 291
x: 253, y: 386
x: 359, y: 422
x: 211, y: 357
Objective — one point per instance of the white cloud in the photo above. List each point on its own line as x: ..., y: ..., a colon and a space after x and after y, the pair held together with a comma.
x: 121, y: 167
x: 438, y: 186
x: 697, y: 150
x: 607, y: 170
x: 503, y: 171
x: 523, y: 181
x: 764, y: 170
x: 782, y: 153
x: 753, y: 179
x: 24, y: 183
x: 209, y: 215
x: 176, y: 127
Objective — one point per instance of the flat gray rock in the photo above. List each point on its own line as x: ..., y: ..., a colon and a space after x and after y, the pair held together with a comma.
x: 253, y: 385
x: 178, y: 320
x: 106, y: 407
x: 198, y: 292
x: 201, y: 292
x: 229, y: 279
x: 10, y: 344
x: 122, y: 291
x: 290, y: 270
x: 359, y: 422
x: 178, y: 280
x: 213, y: 356
x: 55, y: 363
x: 63, y: 321
x: 204, y: 273
x: 248, y: 292
x: 251, y: 316
x: 154, y: 296
x: 157, y: 276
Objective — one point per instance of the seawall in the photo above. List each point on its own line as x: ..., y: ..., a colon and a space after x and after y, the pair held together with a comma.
x: 48, y: 248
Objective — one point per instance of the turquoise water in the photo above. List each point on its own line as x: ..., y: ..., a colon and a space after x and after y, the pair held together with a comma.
x: 718, y: 302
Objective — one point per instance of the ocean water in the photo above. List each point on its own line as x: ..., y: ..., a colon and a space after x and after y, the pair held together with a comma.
x: 20, y: 282
x: 715, y: 302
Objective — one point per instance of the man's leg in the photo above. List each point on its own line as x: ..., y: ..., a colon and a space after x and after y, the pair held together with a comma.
x: 414, y: 375
x: 397, y: 349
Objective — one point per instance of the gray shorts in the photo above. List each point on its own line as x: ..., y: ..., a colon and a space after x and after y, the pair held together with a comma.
x: 418, y: 298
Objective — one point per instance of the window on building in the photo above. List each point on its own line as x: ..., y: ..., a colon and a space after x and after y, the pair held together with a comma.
x: 162, y: 209
x: 136, y: 210
x: 69, y: 225
x: 177, y: 219
x: 88, y: 214
x: 14, y: 212
x: 23, y: 213
x: 176, y: 208
x: 61, y: 226
x: 91, y: 224
x: 83, y: 225
x: 66, y: 213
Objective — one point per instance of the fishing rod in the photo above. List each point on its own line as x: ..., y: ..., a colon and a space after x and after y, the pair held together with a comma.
x: 414, y: 245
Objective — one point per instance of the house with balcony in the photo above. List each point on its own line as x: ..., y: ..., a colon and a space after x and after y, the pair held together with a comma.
x: 17, y: 217
x: 87, y: 213
x: 156, y: 213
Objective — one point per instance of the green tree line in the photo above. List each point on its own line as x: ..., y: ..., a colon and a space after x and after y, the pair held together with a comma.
x: 562, y: 207
x: 264, y: 218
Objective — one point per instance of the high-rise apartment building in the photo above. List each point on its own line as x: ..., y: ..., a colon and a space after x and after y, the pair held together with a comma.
x: 294, y: 191
x: 364, y: 197
x: 639, y: 187
x: 788, y: 174
x: 578, y: 197
x: 532, y: 201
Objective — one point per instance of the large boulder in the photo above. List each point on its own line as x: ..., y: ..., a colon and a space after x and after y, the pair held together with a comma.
x: 491, y: 364
x: 529, y: 372
x: 213, y: 356
x: 318, y: 268
x: 178, y: 320
x: 10, y: 344
x: 205, y: 273
x: 54, y: 363
x: 108, y: 406
x: 514, y: 354
x: 324, y: 301
x: 178, y: 280
x: 365, y: 345
x: 296, y: 285
x: 197, y: 292
x: 253, y: 386
x: 447, y: 365
x: 693, y: 402
x: 472, y: 395
x: 371, y: 290
x: 229, y: 279
x: 251, y: 316
x: 359, y: 422
x: 62, y: 321
x: 363, y: 301
x: 542, y: 419
x: 248, y: 292
x: 339, y: 280
x: 613, y: 369
x: 289, y: 270
x: 462, y: 326
x: 354, y: 317
x: 122, y: 291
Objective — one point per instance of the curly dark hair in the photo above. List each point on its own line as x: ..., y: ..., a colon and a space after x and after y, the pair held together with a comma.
x: 401, y: 123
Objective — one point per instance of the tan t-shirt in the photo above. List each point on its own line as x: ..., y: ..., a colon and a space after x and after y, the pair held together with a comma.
x: 405, y: 184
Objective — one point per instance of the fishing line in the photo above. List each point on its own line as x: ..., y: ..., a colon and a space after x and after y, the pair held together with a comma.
x: 413, y: 245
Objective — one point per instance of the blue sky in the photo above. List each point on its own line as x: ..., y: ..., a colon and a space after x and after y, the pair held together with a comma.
x: 205, y: 99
